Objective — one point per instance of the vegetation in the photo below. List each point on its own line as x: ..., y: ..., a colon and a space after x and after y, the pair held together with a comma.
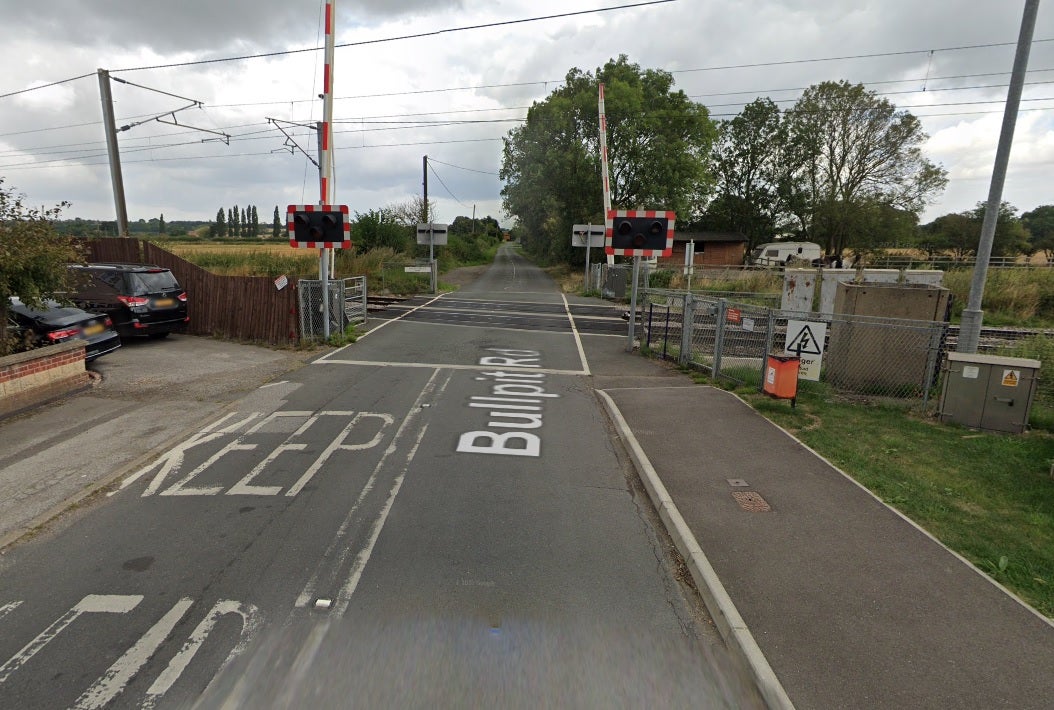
x: 988, y: 496
x: 658, y: 143
x: 33, y: 257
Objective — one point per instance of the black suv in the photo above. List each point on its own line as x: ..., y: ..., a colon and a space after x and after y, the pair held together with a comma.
x: 142, y: 299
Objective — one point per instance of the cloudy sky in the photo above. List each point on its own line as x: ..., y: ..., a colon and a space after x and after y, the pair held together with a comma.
x: 453, y: 95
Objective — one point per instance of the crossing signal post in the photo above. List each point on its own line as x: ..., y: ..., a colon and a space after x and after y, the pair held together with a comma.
x: 318, y: 226
x: 638, y: 233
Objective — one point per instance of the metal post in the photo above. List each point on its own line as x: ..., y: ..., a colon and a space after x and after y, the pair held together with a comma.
x: 770, y: 333
x: 589, y: 241
x: 970, y: 328
x: 687, y: 324
x: 114, y: 151
x: 633, y: 303
x: 719, y: 337
x: 666, y: 330
x: 431, y: 256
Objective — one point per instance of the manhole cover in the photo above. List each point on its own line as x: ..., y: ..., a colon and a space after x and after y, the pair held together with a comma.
x: 751, y: 502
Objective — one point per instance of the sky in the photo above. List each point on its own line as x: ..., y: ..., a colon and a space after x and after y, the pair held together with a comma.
x: 452, y: 95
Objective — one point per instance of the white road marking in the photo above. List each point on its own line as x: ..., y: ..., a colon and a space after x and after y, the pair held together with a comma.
x: 250, y: 623
x: 422, y: 323
x: 91, y: 604
x: 179, y: 488
x: 337, y: 547
x: 324, y: 358
x: 346, y: 591
x: 443, y: 366
x: 117, y: 677
x: 578, y: 340
x: 338, y: 445
x: 8, y: 608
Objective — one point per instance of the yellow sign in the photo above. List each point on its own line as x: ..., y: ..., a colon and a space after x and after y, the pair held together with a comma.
x: 1011, y: 378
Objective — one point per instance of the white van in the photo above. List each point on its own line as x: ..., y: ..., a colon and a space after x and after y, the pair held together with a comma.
x: 783, y: 253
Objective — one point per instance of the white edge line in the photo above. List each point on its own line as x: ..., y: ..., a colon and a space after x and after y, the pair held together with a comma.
x: 578, y: 340
x: 733, y: 629
x: 902, y: 516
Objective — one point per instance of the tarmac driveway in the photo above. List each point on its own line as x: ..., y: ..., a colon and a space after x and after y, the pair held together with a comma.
x: 147, y: 395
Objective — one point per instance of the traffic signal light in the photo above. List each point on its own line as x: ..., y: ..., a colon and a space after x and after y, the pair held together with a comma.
x: 319, y: 226
x: 640, y: 233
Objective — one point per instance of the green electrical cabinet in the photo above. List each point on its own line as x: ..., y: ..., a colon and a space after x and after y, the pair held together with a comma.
x: 988, y: 391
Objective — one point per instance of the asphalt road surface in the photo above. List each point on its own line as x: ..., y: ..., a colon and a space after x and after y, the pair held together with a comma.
x: 434, y: 516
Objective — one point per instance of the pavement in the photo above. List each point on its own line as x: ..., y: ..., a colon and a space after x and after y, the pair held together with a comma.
x: 832, y: 599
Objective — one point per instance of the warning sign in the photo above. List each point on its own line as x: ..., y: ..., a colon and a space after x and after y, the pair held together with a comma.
x: 806, y: 339
x: 1011, y: 378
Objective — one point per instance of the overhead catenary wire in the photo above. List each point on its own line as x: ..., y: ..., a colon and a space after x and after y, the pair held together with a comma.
x: 417, y: 35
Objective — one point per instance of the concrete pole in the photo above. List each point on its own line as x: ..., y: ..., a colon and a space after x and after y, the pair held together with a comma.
x: 114, y: 151
x: 970, y: 329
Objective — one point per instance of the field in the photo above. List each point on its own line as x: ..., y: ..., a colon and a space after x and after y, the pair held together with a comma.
x: 383, y: 267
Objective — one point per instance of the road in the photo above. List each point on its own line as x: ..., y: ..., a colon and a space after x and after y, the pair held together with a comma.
x: 436, y: 515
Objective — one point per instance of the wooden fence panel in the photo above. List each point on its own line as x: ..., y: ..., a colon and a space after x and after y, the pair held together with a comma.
x: 115, y: 249
x: 237, y: 307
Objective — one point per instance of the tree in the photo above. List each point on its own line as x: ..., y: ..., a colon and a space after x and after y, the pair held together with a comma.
x: 410, y: 212
x: 1011, y: 237
x: 380, y: 228
x: 221, y: 224
x: 161, y: 224
x: 659, y: 143
x: 961, y: 233
x: 957, y: 233
x: 276, y: 225
x: 233, y: 224
x: 254, y: 220
x: 1040, y: 225
x: 845, y: 147
x: 33, y: 257
x: 747, y: 158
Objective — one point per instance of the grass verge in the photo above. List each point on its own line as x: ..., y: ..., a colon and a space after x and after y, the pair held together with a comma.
x: 989, y: 497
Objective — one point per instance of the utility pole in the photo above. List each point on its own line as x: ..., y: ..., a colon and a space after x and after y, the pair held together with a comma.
x: 112, y: 149
x: 424, y: 209
x: 970, y: 328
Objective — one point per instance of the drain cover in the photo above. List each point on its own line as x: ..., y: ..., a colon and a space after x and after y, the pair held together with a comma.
x: 751, y: 502
x: 738, y: 483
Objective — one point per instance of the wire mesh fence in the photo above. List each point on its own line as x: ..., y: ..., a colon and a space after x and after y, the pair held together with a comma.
x: 864, y: 355
x: 346, y: 306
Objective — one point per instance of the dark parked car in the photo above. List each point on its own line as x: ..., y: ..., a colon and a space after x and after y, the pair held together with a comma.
x: 142, y: 299
x: 56, y: 323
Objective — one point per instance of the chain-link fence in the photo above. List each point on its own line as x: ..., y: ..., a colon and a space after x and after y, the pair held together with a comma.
x: 347, y: 305
x: 881, y: 357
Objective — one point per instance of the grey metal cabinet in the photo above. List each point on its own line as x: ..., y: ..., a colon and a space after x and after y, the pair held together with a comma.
x: 988, y: 392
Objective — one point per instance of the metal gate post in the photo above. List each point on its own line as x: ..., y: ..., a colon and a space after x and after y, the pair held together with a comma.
x: 770, y: 333
x: 719, y: 336
x: 687, y: 321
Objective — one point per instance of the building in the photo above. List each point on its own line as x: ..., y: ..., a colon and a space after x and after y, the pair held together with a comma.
x: 711, y: 249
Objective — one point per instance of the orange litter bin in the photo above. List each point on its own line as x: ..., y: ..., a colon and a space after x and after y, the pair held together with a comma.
x: 781, y: 376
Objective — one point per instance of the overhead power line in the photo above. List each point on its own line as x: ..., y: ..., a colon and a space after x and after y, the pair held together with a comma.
x: 46, y: 86
x: 417, y: 35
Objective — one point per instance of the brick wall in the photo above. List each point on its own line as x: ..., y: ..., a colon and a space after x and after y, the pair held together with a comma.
x: 32, y: 378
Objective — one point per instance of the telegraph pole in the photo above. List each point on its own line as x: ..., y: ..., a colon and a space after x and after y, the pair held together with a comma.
x: 970, y: 328
x: 110, y: 126
x: 424, y: 209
